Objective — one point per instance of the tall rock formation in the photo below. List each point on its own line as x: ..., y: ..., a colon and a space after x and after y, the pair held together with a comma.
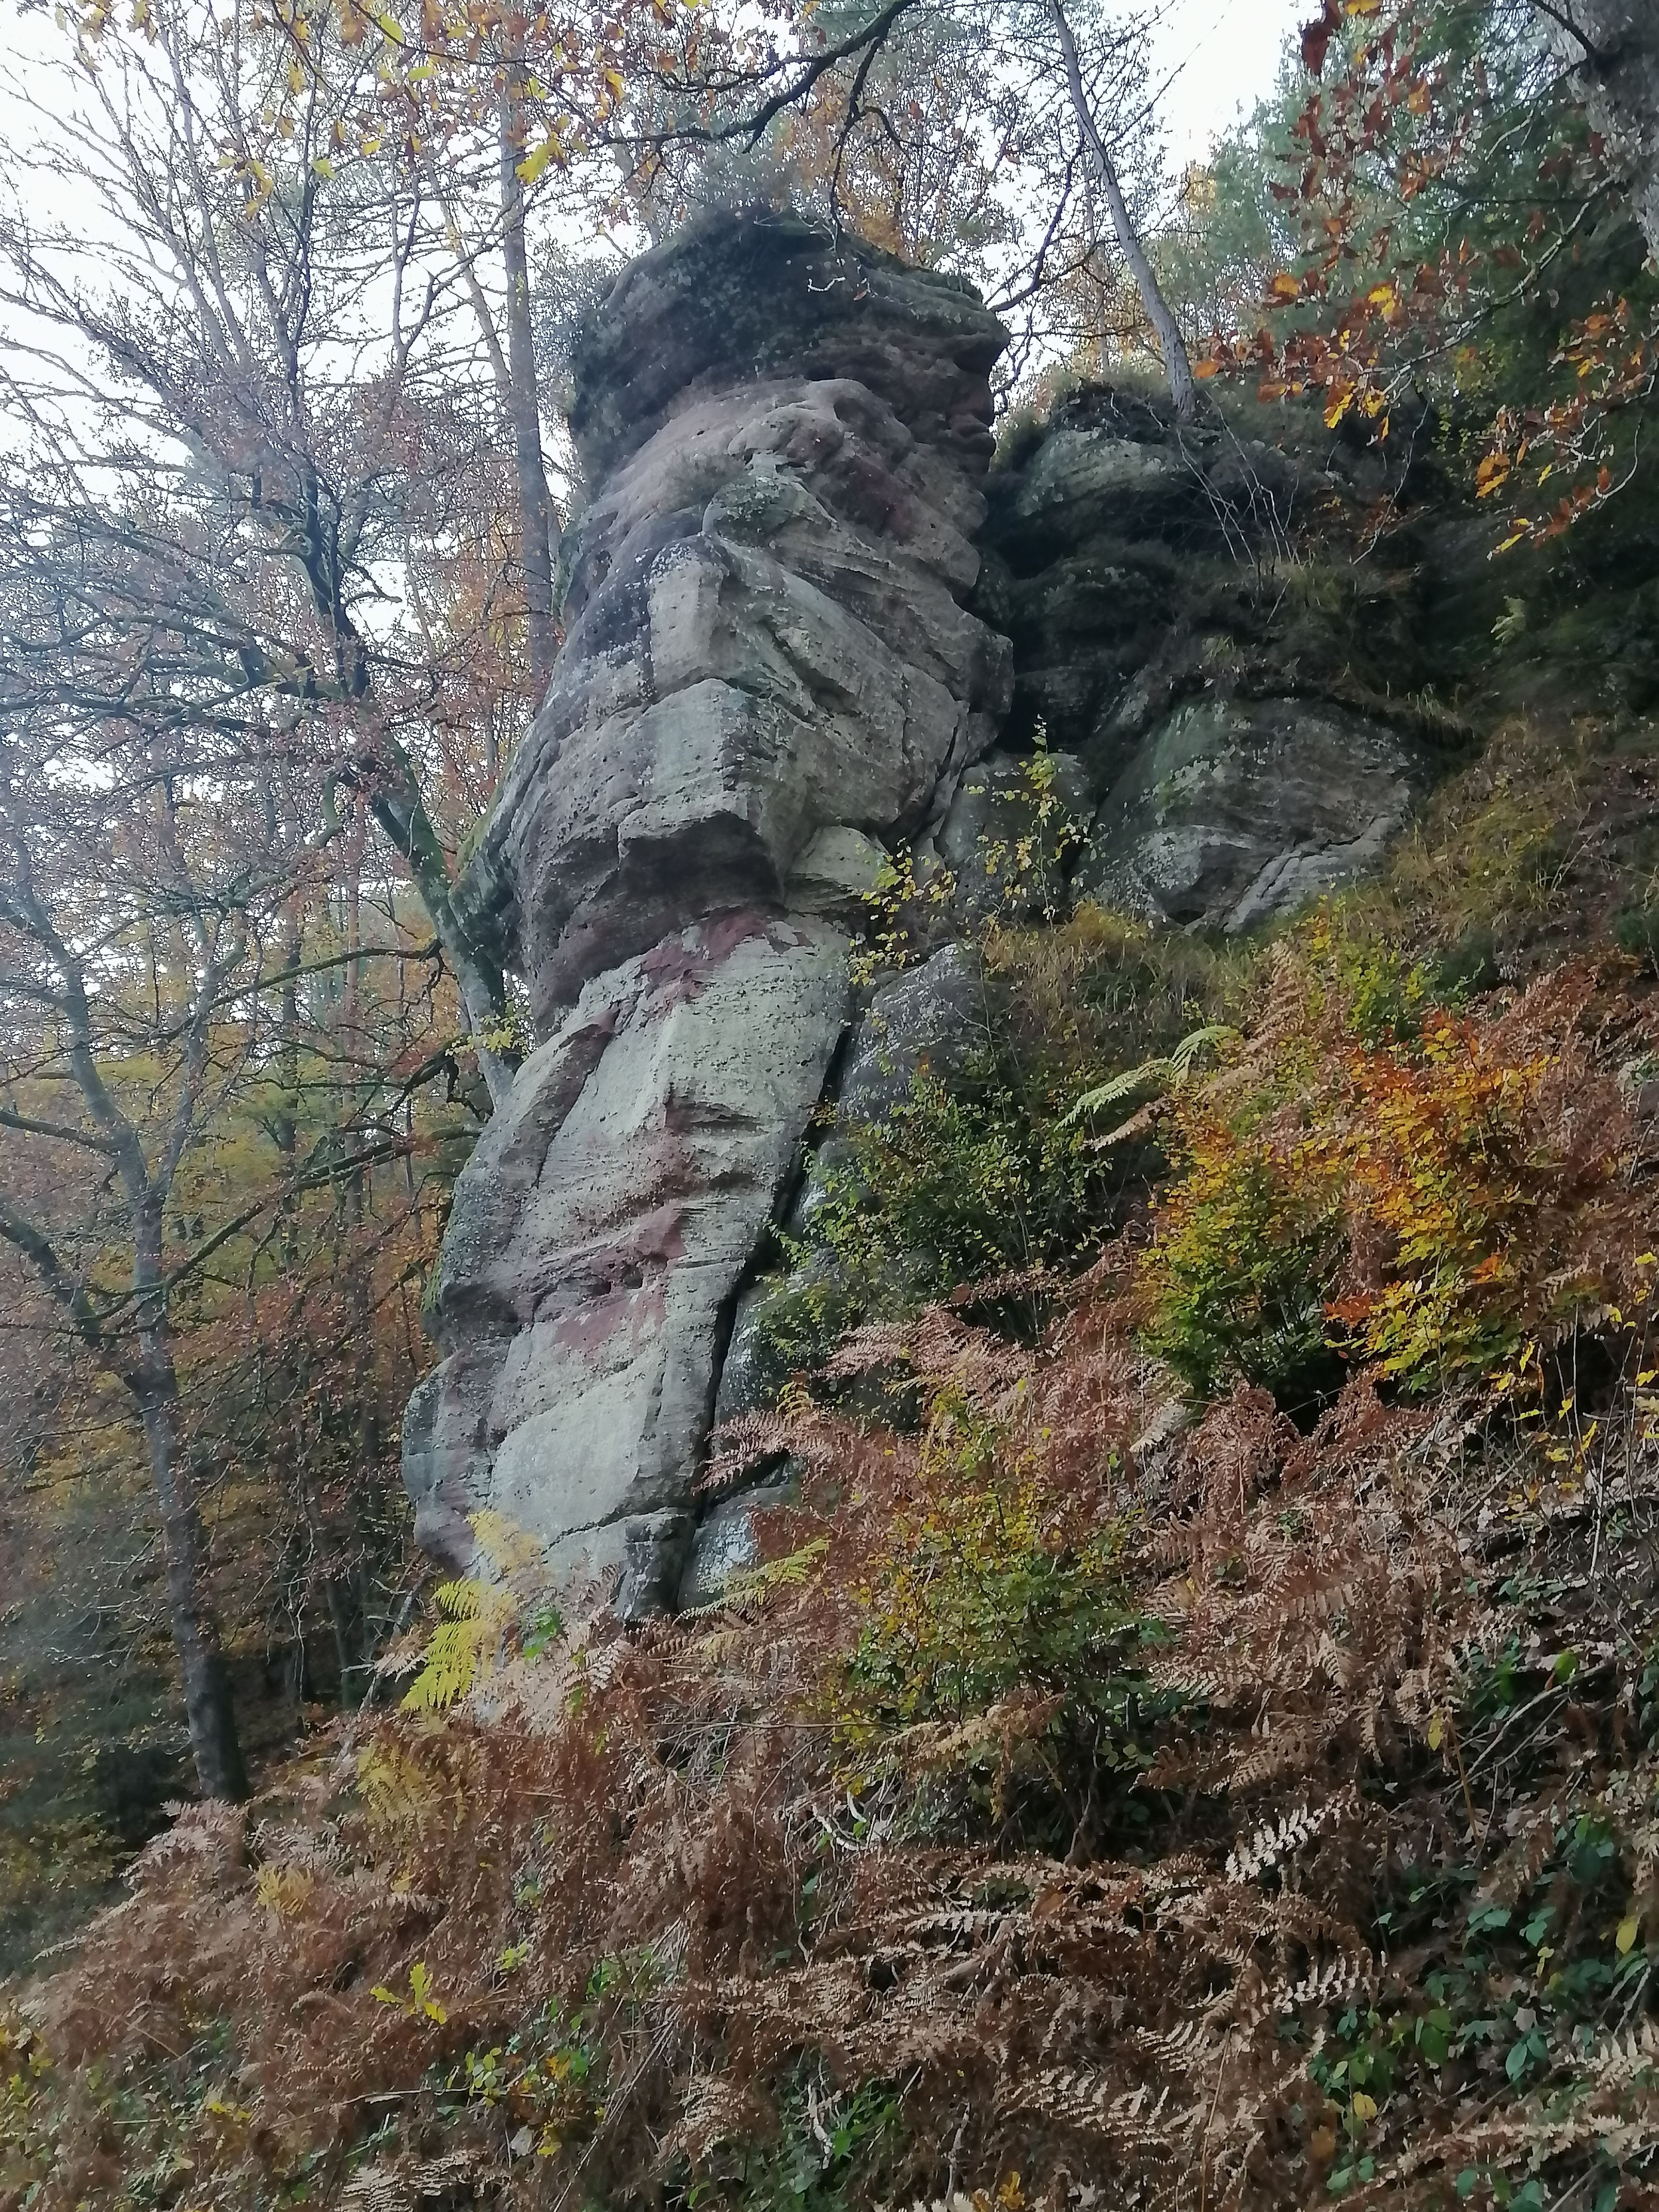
x: 1611, y: 47
x: 767, y: 671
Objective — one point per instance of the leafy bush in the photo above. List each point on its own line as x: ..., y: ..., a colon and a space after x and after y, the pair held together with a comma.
x: 1246, y: 1253
x: 1000, y: 1639
x: 1376, y: 1179
x: 955, y: 1184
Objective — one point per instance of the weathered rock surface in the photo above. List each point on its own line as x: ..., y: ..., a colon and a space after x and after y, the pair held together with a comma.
x: 767, y: 675
x: 1121, y: 545
x: 1239, y: 811
x: 765, y: 637
x: 600, y: 1231
x: 1611, y: 49
x: 1229, y: 707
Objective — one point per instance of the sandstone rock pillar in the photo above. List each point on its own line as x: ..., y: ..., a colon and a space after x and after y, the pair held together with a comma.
x: 768, y: 671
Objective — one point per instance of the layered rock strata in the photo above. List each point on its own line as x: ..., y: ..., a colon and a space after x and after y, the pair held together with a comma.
x: 1237, y: 713
x: 767, y: 676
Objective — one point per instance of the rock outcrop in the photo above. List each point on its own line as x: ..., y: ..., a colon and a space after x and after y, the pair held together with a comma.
x: 1230, y: 708
x: 784, y: 656
x: 1611, y: 48
x: 1238, y: 810
x: 768, y: 673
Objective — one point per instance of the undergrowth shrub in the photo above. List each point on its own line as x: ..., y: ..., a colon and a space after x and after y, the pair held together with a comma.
x: 681, y: 1914
x: 1376, y: 1179
x: 1000, y: 1645
x: 954, y: 1184
x: 991, y: 1174
x: 1247, y: 1245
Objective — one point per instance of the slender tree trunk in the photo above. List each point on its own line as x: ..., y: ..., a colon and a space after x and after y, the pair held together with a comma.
x: 395, y: 800
x: 1611, y: 47
x: 523, y: 397
x: 1176, y: 366
x: 209, y: 1712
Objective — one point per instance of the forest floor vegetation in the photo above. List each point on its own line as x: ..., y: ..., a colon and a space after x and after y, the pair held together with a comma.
x: 1192, y: 1741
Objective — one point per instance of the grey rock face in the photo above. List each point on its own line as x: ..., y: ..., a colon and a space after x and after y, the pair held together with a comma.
x: 1612, y: 48
x: 766, y: 675
x: 601, y: 1229
x: 725, y: 1541
x: 1236, y: 810
x: 837, y: 875
x: 1130, y: 557
x: 780, y: 665
x: 930, y: 1016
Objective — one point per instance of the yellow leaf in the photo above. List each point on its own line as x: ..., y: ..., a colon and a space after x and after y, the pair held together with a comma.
x: 1491, y: 474
x: 323, y: 165
x: 1284, y: 286
x: 1364, y: 2107
x: 1625, y: 1940
x: 1437, y: 1731
x: 535, y: 163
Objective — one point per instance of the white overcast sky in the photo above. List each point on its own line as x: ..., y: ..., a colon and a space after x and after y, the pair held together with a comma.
x: 1219, y: 57
x: 1225, y: 56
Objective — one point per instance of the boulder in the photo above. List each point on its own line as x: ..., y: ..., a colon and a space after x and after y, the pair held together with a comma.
x: 933, y: 1016
x: 838, y: 875
x: 726, y: 1542
x: 1237, y: 810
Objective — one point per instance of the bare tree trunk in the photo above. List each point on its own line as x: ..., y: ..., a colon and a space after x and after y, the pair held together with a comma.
x: 1176, y: 366
x: 394, y: 797
x: 210, y: 1713
x: 523, y: 398
x: 1611, y: 47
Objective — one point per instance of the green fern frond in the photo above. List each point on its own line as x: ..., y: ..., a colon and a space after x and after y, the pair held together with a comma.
x: 1161, y: 1074
x: 462, y: 1645
x: 752, y: 1586
x: 1211, y: 1038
